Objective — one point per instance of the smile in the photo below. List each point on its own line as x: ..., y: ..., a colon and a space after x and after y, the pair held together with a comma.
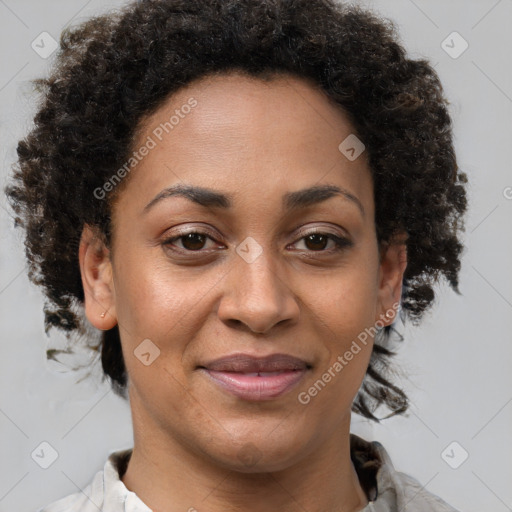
x: 256, y: 386
x: 253, y: 377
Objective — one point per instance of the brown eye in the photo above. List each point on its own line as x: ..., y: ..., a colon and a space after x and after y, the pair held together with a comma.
x: 316, y: 241
x: 324, y: 242
x: 193, y: 241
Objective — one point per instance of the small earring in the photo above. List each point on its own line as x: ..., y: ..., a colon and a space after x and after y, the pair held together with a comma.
x: 102, y: 315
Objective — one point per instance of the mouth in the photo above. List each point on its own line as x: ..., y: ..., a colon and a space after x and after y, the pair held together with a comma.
x: 256, y: 378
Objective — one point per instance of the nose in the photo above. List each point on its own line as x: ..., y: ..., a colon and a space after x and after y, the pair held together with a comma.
x: 257, y: 295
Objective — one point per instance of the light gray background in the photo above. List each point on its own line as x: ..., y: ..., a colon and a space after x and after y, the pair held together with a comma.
x: 455, y: 367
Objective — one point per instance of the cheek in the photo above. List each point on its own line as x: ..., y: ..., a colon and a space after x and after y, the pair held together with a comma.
x: 152, y: 300
x: 167, y: 308
x: 347, y: 301
x: 346, y: 309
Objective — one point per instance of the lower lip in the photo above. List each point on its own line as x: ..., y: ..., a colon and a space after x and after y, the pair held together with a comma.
x: 252, y: 387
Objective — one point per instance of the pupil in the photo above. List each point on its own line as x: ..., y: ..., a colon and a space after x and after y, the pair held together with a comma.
x: 316, y: 237
x: 193, y: 241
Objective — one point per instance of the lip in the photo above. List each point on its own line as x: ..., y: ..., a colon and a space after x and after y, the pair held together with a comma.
x: 256, y: 378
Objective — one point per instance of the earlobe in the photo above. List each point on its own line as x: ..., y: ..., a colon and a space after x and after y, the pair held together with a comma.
x: 392, y: 267
x: 97, y: 282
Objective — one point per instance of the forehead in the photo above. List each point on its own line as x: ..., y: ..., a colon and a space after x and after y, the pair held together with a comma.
x: 234, y: 131
x: 240, y: 106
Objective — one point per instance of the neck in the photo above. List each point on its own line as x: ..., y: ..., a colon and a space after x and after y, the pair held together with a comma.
x: 162, y: 471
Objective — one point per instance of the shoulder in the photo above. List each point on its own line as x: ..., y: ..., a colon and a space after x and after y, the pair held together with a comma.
x: 393, y: 490
x: 408, y: 492
x: 106, y: 491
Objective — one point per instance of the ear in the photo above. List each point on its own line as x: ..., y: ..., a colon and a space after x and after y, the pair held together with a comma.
x: 97, y: 282
x: 393, y: 262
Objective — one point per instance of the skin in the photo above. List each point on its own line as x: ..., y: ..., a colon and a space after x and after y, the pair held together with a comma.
x: 195, y: 445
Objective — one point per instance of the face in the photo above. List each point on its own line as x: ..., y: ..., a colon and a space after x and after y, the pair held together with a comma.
x: 267, y: 252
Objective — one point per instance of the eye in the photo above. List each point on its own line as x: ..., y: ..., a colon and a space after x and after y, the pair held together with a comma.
x: 318, y: 241
x: 192, y: 241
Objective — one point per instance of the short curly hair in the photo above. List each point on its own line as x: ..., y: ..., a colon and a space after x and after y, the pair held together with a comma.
x: 114, y: 70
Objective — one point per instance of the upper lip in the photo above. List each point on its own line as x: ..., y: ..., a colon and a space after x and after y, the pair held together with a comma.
x: 250, y: 364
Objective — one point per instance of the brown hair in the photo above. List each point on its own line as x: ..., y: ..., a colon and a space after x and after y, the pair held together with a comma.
x: 115, y: 69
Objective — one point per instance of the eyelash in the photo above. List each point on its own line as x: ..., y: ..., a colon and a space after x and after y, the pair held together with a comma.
x: 340, y: 242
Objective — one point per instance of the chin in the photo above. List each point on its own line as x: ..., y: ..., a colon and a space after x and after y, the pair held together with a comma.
x: 256, y: 455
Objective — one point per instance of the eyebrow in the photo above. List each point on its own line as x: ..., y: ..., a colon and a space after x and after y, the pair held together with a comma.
x: 210, y: 198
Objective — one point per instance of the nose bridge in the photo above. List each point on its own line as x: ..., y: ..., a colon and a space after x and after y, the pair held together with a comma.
x: 260, y: 277
x: 256, y: 294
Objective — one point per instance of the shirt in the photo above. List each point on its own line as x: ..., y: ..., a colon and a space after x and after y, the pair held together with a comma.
x: 387, y: 490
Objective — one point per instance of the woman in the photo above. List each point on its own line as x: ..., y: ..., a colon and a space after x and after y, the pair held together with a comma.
x: 241, y: 196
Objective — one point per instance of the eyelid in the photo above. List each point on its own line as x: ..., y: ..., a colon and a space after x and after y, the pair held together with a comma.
x: 341, y: 241
x: 318, y: 230
x: 181, y: 232
x: 302, y: 232
x: 192, y: 229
